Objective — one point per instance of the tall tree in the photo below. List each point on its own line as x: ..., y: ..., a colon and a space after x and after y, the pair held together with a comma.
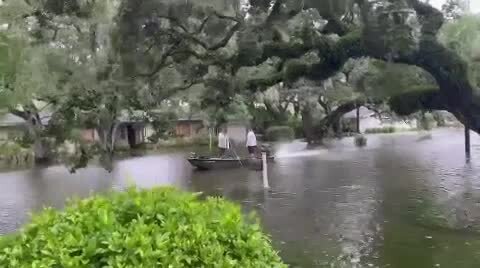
x: 230, y: 48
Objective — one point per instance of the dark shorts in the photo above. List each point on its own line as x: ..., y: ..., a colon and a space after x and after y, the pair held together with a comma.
x: 252, y: 149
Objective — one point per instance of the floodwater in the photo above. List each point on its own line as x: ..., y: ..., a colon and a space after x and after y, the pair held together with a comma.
x: 406, y: 200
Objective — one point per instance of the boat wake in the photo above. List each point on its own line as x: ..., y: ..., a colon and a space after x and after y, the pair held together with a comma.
x: 296, y: 149
x: 280, y: 155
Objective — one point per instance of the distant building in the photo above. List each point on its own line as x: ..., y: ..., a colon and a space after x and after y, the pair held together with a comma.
x: 187, y: 128
x: 128, y: 134
x: 132, y: 130
x: 131, y: 134
x: 12, y: 126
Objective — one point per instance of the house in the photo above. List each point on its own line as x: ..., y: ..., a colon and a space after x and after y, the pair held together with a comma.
x: 89, y: 135
x: 370, y: 120
x: 131, y: 131
x: 128, y: 134
x: 11, y: 127
x: 187, y: 128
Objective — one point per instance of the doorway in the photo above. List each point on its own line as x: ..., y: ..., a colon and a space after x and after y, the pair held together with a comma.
x: 131, y: 136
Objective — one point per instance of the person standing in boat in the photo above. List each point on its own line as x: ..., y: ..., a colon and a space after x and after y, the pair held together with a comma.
x: 223, y: 142
x: 251, y: 142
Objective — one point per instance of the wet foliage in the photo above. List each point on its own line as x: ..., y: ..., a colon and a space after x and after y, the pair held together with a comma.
x: 139, y: 228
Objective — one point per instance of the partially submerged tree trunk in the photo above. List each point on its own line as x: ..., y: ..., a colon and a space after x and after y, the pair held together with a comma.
x: 357, y: 119
x: 332, y: 120
x: 467, y: 142
x: 108, y: 135
x: 307, y: 123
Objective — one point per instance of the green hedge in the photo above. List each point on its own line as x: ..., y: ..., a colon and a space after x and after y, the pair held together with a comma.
x: 155, y: 228
x: 380, y: 130
x: 279, y: 133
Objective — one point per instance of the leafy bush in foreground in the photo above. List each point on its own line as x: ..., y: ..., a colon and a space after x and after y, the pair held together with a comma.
x: 279, y: 133
x: 155, y: 228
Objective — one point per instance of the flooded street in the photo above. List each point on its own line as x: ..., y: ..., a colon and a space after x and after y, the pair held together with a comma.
x: 405, y: 200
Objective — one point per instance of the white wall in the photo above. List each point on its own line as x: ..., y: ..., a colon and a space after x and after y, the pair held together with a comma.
x: 149, y: 131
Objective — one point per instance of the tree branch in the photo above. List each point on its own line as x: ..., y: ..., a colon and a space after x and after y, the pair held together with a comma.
x: 324, y: 105
x: 163, y: 61
x: 202, y: 26
x: 334, y: 116
x: 418, y: 100
x: 191, y: 36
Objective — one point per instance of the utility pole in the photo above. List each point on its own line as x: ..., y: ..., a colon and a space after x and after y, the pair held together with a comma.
x: 358, y: 119
x: 467, y: 141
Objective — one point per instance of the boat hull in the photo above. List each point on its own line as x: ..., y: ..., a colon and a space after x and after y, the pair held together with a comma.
x: 220, y: 163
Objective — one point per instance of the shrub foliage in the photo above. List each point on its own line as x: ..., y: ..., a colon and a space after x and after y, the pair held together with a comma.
x: 155, y: 228
x: 380, y: 130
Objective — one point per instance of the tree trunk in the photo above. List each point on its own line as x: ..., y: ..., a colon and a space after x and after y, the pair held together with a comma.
x: 333, y: 118
x: 467, y: 142
x: 41, y: 148
x: 337, y: 127
x: 107, y: 143
x: 358, y: 119
x: 307, y: 123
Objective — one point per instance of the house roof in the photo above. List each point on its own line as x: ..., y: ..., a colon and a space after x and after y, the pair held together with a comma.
x: 10, y: 120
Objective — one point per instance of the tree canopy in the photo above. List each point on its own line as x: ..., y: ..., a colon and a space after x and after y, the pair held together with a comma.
x: 93, y: 60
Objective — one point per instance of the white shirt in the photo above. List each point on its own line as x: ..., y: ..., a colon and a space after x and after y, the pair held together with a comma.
x: 223, y: 141
x: 251, y: 139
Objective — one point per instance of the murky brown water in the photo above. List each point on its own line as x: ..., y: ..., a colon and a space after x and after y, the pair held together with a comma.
x: 404, y: 201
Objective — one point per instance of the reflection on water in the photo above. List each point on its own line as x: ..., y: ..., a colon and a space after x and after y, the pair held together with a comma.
x: 404, y: 201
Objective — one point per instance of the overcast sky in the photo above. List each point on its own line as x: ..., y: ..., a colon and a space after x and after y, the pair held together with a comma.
x: 474, y: 4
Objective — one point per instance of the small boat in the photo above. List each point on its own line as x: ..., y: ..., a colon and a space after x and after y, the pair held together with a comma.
x: 209, y: 163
